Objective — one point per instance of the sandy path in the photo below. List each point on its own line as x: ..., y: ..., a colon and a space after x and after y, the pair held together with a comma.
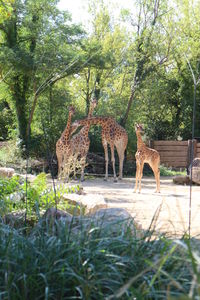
x: 173, y: 202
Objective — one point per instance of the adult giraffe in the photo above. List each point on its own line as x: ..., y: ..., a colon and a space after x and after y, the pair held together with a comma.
x: 112, y: 134
x: 63, y: 146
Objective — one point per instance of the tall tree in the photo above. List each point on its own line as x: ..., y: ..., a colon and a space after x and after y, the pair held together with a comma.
x: 39, y: 47
x: 146, y: 55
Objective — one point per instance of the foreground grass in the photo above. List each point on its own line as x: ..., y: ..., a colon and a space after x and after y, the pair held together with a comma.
x: 93, y: 264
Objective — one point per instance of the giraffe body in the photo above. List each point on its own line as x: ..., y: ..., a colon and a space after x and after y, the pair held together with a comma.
x: 80, y: 142
x: 112, y: 134
x: 144, y: 155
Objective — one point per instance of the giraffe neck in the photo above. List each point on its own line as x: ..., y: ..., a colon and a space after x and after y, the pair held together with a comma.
x: 91, y: 110
x: 93, y: 121
x: 66, y: 132
x: 140, y: 143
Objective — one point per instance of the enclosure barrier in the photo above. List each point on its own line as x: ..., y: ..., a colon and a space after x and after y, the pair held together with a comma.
x: 176, y: 154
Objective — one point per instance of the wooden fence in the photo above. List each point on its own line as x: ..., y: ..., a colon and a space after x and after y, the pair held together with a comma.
x: 176, y: 154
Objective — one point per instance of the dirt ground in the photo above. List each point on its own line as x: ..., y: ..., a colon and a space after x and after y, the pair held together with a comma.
x: 172, y: 203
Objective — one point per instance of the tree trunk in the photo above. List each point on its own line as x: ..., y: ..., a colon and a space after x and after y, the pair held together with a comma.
x: 20, y: 103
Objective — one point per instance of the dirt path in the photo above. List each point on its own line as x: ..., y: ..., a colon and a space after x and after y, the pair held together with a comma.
x: 173, y: 202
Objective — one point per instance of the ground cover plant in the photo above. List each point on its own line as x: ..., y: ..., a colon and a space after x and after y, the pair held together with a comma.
x: 19, y: 195
x: 91, y: 262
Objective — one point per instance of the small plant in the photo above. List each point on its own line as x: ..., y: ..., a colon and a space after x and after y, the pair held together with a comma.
x: 34, y: 198
x: 10, y: 153
x: 71, y: 166
x: 164, y: 171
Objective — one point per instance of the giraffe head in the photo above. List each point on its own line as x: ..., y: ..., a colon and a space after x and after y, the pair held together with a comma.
x: 139, y: 127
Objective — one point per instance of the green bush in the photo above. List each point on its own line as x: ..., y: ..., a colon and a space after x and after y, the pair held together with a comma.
x: 33, y: 197
x: 92, y: 264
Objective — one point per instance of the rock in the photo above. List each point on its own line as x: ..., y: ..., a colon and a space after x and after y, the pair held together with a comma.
x: 15, y: 219
x: 181, y: 180
x: 6, y: 172
x: 88, y: 203
x: 54, y: 217
x: 56, y: 214
x: 115, y: 221
x: 196, y: 175
x: 195, y: 169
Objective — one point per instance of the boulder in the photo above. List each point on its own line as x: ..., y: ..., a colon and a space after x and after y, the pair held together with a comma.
x: 196, y: 175
x: 88, y: 204
x: 194, y: 168
x: 185, y: 180
x: 57, y: 214
x: 6, y: 172
x: 53, y: 217
x: 115, y: 221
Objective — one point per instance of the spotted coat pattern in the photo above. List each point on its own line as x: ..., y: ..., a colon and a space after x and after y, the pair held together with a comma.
x: 63, y: 146
x: 80, y: 142
x: 143, y: 155
x: 112, y: 134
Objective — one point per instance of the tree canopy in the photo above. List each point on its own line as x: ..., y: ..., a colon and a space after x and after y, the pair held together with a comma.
x: 138, y: 66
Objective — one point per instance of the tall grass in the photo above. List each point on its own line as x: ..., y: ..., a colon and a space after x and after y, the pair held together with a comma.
x: 92, y: 263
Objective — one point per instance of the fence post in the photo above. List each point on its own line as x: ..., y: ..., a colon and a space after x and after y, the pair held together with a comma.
x: 192, y: 151
x: 151, y: 144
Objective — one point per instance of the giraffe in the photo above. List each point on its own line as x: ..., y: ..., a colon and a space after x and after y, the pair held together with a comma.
x: 143, y: 155
x: 63, y: 145
x: 80, y: 142
x: 112, y: 134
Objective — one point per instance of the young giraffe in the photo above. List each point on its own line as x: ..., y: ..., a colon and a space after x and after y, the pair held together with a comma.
x: 80, y: 142
x: 114, y: 135
x: 143, y: 155
x: 63, y: 145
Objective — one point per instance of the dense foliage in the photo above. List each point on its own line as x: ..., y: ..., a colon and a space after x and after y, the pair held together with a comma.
x: 137, y: 65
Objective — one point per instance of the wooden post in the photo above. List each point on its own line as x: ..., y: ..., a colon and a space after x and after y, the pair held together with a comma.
x: 192, y: 151
x: 151, y: 144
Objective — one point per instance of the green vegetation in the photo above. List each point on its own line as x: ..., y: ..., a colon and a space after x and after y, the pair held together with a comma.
x: 18, y: 195
x: 137, y: 68
x: 164, y: 171
x: 91, y: 264
x: 135, y: 65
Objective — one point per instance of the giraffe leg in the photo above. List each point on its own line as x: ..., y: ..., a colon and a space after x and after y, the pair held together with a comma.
x: 105, y: 146
x: 59, y: 159
x: 74, y: 165
x: 136, y: 176
x: 140, y: 175
x: 113, y: 161
x: 83, y: 162
x: 121, y: 162
x: 156, y: 172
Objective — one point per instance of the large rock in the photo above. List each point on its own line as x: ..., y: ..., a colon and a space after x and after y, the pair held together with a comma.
x: 6, y: 172
x: 112, y: 221
x: 88, y: 204
x: 194, y: 170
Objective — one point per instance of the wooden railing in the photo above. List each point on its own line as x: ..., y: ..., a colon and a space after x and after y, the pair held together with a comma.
x: 176, y: 153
